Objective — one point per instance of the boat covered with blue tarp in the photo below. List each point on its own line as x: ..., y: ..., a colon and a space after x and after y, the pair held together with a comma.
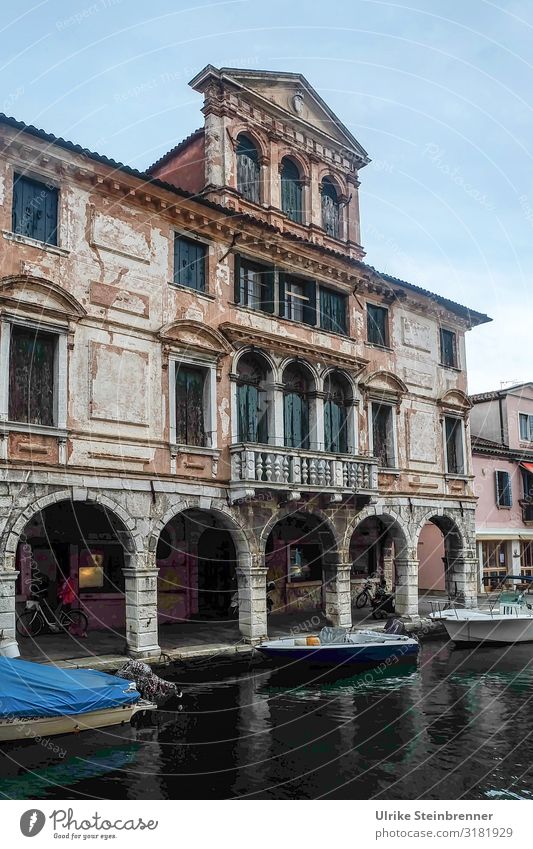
x: 34, y: 690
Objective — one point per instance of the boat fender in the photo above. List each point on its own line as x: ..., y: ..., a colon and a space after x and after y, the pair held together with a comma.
x: 313, y: 641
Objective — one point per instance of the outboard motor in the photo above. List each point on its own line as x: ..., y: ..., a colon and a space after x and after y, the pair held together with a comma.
x: 395, y: 626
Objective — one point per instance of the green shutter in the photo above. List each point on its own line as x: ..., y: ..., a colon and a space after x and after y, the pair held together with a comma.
x: 281, y: 293
x: 237, y: 278
x: 309, y: 310
x: 267, y: 300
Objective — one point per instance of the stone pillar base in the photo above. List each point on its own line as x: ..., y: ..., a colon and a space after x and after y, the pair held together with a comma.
x: 338, y: 594
x: 7, y: 605
x: 406, y: 592
x: 252, y: 603
x: 141, y: 612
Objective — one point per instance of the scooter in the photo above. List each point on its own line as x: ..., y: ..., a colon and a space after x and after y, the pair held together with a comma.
x: 382, y: 604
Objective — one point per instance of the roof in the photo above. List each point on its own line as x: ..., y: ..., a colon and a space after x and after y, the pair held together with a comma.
x: 241, y: 76
x: 480, y: 445
x: 175, y: 150
x: 498, y: 393
x: 472, y: 316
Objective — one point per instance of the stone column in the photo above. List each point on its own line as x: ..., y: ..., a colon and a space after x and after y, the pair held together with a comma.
x: 406, y: 592
x: 251, y: 582
x: 338, y: 594
x: 7, y: 604
x: 388, y: 563
x: 461, y: 576
x: 141, y: 609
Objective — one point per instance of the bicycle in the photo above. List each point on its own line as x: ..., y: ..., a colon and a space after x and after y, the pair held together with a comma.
x: 365, y: 596
x: 34, y: 619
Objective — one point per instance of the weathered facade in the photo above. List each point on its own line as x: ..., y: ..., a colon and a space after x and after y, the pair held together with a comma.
x: 502, y: 456
x: 204, y: 387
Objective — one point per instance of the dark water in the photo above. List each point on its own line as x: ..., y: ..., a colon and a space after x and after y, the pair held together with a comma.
x: 458, y: 725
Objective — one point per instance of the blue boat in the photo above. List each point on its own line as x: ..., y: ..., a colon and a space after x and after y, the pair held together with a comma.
x: 38, y: 700
x: 334, y: 647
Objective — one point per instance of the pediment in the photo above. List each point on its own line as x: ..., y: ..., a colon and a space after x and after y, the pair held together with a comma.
x: 290, y: 94
x: 456, y: 399
x: 24, y: 293
x: 384, y: 383
x: 193, y: 335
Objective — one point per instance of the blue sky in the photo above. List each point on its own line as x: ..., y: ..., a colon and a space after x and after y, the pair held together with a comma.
x: 439, y: 94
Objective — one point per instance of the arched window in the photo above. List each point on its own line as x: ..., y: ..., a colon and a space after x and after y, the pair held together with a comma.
x: 251, y: 400
x: 291, y: 191
x: 336, y: 414
x: 248, y: 170
x: 331, y: 209
x: 296, y: 406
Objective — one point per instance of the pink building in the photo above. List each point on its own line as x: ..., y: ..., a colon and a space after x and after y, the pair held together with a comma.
x: 502, y: 452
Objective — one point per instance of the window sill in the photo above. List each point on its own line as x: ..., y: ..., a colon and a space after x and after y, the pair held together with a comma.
x: 450, y: 368
x: 389, y: 471
x: 34, y: 243
x: 456, y: 477
x: 194, y: 449
x: 38, y: 430
x: 504, y: 507
x: 192, y: 291
x: 292, y: 321
x: 379, y: 347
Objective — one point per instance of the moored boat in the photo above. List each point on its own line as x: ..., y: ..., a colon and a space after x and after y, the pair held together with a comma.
x: 509, y: 620
x: 334, y: 647
x: 42, y: 701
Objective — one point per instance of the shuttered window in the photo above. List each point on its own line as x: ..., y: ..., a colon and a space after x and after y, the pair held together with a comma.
x: 296, y: 407
x: 453, y: 430
x: 190, y: 428
x: 31, y: 376
x: 504, y: 496
x: 330, y: 209
x: 35, y: 209
x: 254, y: 285
x: 383, y: 435
x: 332, y: 310
x: 448, y: 348
x: 377, y: 325
x: 252, y: 424
x: 297, y: 298
x: 189, y: 263
x: 335, y: 426
x: 291, y: 191
x: 248, y: 170
x: 526, y: 427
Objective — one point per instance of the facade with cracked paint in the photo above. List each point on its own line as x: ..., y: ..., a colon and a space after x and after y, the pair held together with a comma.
x: 204, y: 388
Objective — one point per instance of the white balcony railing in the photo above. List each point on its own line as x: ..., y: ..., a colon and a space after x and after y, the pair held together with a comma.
x: 265, y: 467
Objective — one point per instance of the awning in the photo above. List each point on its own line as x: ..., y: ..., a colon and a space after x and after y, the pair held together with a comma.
x: 528, y: 467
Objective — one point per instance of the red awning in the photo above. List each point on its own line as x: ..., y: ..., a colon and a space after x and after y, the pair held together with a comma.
x: 528, y: 467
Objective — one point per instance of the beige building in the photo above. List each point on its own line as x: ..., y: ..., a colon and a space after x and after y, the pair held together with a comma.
x: 204, y: 387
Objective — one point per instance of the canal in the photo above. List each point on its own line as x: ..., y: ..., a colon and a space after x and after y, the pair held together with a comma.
x: 458, y: 725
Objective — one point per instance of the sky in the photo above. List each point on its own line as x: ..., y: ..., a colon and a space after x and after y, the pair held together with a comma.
x: 440, y: 94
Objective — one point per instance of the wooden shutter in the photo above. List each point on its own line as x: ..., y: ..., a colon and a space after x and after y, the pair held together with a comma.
x: 190, y: 406
x: 31, y: 376
x: 267, y: 300
x: 309, y: 310
x: 34, y: 211
x: 281, y: 293
x: 237, y: 278
x: 189, y: 263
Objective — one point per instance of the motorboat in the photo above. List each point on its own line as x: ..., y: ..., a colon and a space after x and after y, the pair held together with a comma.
x: 509, y: 619
x: 42, y: 701
x: 333, y: 647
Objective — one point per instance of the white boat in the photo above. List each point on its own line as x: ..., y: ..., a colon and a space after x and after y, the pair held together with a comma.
x: 28, y: 728
x: 510, y: 620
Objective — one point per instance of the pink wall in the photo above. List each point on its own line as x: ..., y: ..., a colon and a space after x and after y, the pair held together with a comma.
x: 430, y: 554
x: 516, y: 404
x: 488, y: 514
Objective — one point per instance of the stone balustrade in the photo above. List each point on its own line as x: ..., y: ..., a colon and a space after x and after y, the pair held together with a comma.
x: 263, y: 467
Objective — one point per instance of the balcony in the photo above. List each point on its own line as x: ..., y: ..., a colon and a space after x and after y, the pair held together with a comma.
x: 295, y: 471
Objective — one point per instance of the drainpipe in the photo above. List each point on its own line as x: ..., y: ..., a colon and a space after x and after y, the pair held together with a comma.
x: 502, y: 429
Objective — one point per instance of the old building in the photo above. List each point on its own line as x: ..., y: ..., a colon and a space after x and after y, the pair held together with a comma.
x: 502, y: 454
x: 203, y: 385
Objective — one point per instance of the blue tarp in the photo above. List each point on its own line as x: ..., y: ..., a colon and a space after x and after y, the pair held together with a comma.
x: 31, y: 689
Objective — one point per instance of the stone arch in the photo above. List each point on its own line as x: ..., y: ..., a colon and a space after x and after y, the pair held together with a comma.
x: 134, y: 542
x: 313, y: 373
x: 253, y: 349
x: 299, y: 161
x: 255, y: 136
x: 393, y: 522
x: 304, y: 509
x: 450, y: 526
x: 335, y: 370
x: 459, y: 553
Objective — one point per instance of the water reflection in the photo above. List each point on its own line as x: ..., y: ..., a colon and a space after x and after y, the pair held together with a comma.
x: 456, y: 725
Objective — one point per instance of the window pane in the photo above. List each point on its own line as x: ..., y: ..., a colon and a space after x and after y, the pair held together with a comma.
x: 248, y: 172
x: 448, y: 356
x: 190, y: 406
x: 189, y: 263
x: 454, y: 446
x: 377, y: 318
x: 35, y: 210
x: 31, y: 376
x: 382, y: 433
